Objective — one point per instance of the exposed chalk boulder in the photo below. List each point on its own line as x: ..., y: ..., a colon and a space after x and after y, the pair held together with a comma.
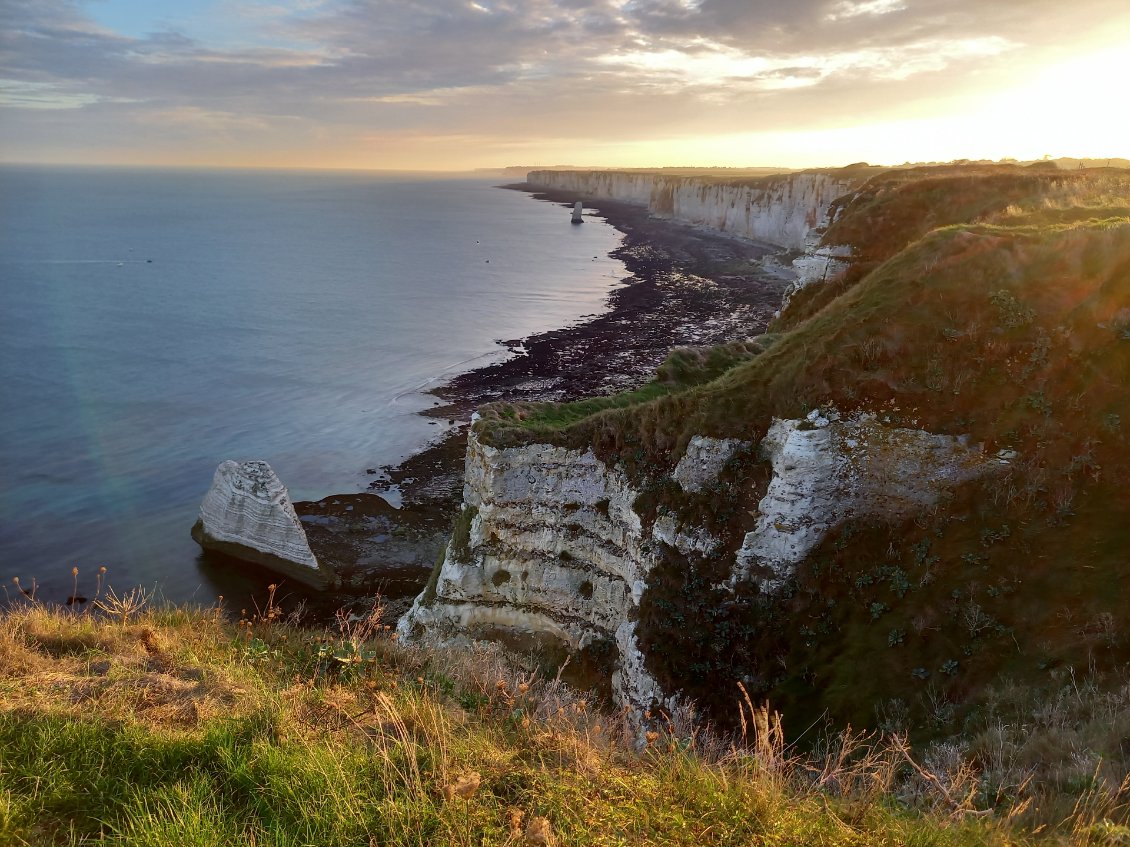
x: 247, y: 514
x: 818, y: 264
x: 704, y: 460
x: 828, y: 469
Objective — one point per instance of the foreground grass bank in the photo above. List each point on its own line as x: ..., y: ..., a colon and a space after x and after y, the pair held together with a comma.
x: 177, y: 727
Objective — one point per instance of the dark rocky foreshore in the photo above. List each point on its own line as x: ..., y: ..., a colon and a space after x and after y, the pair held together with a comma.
x: 686, y: 287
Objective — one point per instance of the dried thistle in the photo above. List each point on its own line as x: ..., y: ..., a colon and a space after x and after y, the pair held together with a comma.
x: 464, y: 787
x: 539, y: 833
x: 130, y: 603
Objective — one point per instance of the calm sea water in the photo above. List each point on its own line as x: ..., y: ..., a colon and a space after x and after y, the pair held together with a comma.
x: 154, y: 323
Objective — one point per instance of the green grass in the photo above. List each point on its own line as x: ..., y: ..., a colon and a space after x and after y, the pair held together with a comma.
x: 283, y: 746
x: 896, y: 208
x: 540, y: 417
x: 683, y: 369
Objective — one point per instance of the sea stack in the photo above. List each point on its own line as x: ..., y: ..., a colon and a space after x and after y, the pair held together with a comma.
x: 247, y: 514
x: 577, y: 219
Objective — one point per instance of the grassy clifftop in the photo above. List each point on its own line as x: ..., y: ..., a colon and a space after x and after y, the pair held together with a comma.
x: 176, y: 727
x: 988, y: 303
x: 896, y: 208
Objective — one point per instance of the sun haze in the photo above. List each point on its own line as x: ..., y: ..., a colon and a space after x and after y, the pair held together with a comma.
x: 459, y: 84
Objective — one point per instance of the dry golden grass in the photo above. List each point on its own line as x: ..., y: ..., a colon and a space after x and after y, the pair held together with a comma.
x: 83, y: 666
x: 179, y: 728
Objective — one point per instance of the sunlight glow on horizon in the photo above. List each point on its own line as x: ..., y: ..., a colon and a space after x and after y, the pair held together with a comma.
x: 320, y: 95
x: 1006, y: 125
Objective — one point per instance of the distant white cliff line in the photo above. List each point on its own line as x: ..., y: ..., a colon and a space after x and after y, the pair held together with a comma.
x: 781, y: 210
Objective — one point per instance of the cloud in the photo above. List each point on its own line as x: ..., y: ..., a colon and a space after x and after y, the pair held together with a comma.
x: 847, y: 9
x: 717, y: 64
x: 351, y: 70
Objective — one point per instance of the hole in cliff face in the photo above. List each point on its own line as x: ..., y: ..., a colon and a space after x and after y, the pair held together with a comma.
x: 500, y: 578
x: 565, y: 556
x: 602, y: 506
x: 586, y: 590
x: 525, y: 575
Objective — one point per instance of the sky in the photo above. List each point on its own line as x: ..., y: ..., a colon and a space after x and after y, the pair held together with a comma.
x: 461, y: 84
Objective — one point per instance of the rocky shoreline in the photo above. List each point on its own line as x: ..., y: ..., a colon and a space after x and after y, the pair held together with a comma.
x: 686, y: 287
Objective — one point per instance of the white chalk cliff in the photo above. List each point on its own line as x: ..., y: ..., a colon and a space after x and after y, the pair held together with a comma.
x: 555, y: 550
x: 827, y: 470
x: 553, y: 547
x: 780, y: 210
x: 247, y: 514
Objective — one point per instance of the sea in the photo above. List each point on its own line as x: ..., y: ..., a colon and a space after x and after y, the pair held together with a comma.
x: 154, y: 323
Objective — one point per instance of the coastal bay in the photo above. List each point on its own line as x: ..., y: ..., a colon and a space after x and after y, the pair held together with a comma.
x: 686, y: 287
x: 157, y: 322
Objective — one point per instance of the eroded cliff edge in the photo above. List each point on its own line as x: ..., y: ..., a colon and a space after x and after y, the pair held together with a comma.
x: 552, y: 548
x: 903, y: 477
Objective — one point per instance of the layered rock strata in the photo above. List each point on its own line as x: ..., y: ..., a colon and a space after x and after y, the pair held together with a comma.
x: 247, y: 514
x: 552, y: 549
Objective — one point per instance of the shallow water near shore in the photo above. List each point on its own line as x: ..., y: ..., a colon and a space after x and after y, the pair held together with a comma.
x: 157, y: 322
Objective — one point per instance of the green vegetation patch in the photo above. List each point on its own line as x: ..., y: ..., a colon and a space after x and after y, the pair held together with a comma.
x: 898, y: 207
x: 403, y: 747
x: 509, y: 423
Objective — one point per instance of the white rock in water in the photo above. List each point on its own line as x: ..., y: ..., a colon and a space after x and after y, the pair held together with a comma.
x: 247, y: 514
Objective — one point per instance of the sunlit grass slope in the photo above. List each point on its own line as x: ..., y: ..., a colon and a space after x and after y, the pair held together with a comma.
x: 175, y: 727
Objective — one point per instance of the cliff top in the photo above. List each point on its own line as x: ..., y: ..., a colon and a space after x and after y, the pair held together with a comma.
x: 174, y: 726
x: 728, y: 176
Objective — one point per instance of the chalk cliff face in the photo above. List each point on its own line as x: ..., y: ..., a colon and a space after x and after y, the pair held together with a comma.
x: 829, y: 559
x: 553, y: 549
x: 827, y: 470
x: 247, y: 514
x: 780, y: 210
